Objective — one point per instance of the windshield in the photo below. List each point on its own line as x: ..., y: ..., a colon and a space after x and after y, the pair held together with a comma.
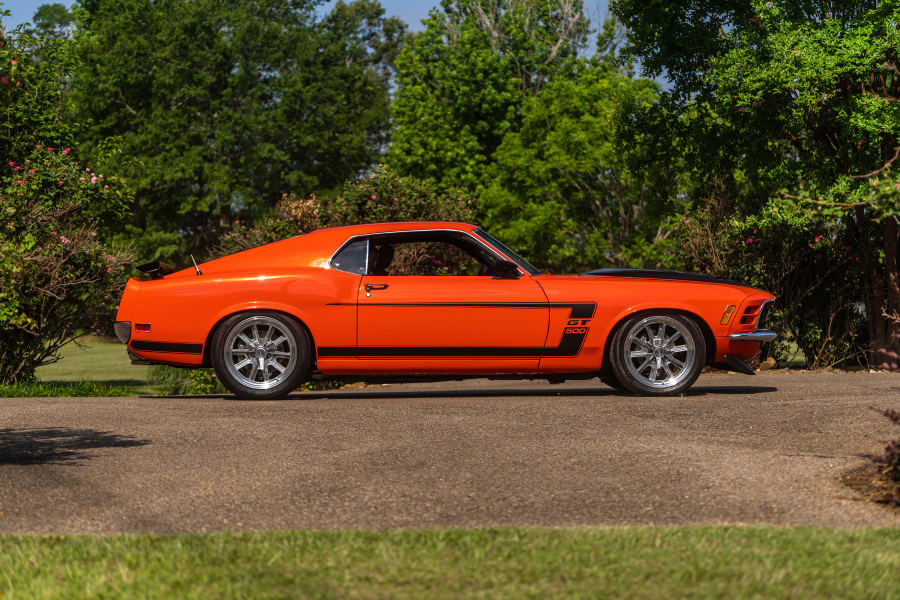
x: 527, y: 266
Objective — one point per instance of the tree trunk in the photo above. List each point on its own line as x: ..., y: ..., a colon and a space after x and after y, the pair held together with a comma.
x: 887, y: 354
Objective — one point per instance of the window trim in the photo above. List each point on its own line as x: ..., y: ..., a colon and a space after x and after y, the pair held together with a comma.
x: 368, y: 236
x: 341, y: 249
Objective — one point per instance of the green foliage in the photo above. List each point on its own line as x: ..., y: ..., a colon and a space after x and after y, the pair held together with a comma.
x: 813, y: 269
x: 34, y: 73
x: 172, y: 381
x: 781, y: 95
x: 53, y: 20
x: 560, y: 188
x: 379, y: 198
x: 57, y: 278
x: 220, y: 107
x: 462, y: 82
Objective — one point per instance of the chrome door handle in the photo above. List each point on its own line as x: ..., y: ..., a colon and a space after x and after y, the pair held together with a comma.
x: 374, y: 286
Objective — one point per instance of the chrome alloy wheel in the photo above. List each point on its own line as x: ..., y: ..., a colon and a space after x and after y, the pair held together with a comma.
x: 659, y: 352
x: 260, y: 352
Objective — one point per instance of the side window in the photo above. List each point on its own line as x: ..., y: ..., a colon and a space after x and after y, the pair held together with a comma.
x: 352, y: 258
x: 429, y: 258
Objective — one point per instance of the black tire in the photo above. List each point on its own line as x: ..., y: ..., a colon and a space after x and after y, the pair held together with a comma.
x: 646, y: 349
x: 264, y: 380
x: 609, y: 378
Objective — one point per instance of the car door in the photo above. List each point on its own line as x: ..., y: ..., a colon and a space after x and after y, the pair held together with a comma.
x: 413, y: 319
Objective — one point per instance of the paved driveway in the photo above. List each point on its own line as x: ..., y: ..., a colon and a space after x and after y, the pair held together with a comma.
x: 764, y: 449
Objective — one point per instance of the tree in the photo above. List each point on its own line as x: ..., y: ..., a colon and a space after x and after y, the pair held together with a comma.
x: 221, y: 107
x: 784, y: 95
x: 560, y: 188
x: 462, y: 83
x: 54, y: 20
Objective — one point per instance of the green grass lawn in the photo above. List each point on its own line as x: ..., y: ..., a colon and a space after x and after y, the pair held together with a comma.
x: 100, y: 360
x: 633, y: 562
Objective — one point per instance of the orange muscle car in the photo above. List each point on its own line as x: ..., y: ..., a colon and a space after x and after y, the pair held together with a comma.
x: 437, y: 300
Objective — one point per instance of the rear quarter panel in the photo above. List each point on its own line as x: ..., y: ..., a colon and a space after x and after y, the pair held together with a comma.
x: 184, y: 309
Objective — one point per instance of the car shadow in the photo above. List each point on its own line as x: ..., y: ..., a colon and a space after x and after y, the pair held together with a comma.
x: 57, y: 445
x: 511, y: 392
x: 371, y: 393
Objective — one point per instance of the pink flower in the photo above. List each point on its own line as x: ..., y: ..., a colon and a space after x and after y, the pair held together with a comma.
x: 676, y: 228
x: 38, y: 146
x: 846, y: 248
x: 749, y: 240
x: 372, y: 196
x: 100, y: 176
x: 66, y: 150
x: 4, y: 80
x: 87, y: 170
x: 18, y: 169
x: 19, y: 181
x: 93, y: 234
x: 105, y: 187
x: 59, y: 183
x: 810, y: 245
x: 13, y: 62
x: 63, y: 239
x: 18, y: 84
x: 857, y: 259
x: 755, y: 230
x: 49, y: 149
x: 81, y: 179
x: 817, y: 238
x: 109, y: 269
x: 12, y: 164
x: 31, y: 171
x: 93, y: 180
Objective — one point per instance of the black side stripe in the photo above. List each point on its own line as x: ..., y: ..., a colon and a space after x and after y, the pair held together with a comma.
x: 167, y: 347
x: 569, y: 345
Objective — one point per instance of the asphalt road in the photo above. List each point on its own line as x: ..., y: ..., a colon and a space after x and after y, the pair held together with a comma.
x: 764, y: 449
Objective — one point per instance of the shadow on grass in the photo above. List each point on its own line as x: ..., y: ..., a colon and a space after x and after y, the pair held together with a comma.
x: 133, y: 383
x: 57, y: 445
x: 550, y: 392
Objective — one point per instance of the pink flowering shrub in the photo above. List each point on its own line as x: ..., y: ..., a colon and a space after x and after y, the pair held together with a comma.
x: 58, y: 278
x: 812, y: 268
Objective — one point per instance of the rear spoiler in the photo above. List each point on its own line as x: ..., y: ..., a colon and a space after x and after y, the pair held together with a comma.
x: 156, y: 269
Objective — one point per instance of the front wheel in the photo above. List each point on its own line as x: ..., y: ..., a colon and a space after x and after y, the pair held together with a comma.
x: 261, y: 354
x: 658, y: 354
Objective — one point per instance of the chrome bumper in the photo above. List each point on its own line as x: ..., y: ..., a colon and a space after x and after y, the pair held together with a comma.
x: 753, y: 336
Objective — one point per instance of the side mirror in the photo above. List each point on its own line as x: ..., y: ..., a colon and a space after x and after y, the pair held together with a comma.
x: 505, y: 269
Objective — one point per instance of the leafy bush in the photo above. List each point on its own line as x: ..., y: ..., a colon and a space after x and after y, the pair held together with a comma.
x: 812, y: 268
x: 173, y: 381
x: 57, y: 278
x: 890, y: 459
x: 379, y: 198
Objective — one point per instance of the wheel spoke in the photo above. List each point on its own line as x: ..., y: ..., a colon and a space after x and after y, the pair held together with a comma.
x: 653, y: 371
x: 278, y: 367
x: 256, y: 333
x: 675, y: 361
x: 243, y: 351
x: 644, y: 364
x: 280, y: 353
x: 253, y: 370
x: 640, y: 353
x: 667, y: 370
x: 279, y: 341
x: 243, y: 364
x: 677, y: 349
x: 640, y: 342
x: 245, y: 339
x: 268, y: 335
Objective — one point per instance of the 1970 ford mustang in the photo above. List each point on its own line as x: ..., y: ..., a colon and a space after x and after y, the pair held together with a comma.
x: 432, y: 300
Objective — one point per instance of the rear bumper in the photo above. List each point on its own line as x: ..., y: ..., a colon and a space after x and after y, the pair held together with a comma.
x: 753, y: 336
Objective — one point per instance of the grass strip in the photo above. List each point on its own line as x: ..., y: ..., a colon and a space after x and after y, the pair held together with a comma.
x: 40, y: 389
x: 633, y: 562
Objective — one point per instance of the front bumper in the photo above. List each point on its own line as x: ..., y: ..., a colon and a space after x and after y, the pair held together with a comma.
x: 753, y: 336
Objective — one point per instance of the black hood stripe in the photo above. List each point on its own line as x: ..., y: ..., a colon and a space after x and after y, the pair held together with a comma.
x: 654, y: 274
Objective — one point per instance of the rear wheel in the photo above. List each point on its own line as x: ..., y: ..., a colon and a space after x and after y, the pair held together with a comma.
x: 658, y: 354
x: 261, y: 354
